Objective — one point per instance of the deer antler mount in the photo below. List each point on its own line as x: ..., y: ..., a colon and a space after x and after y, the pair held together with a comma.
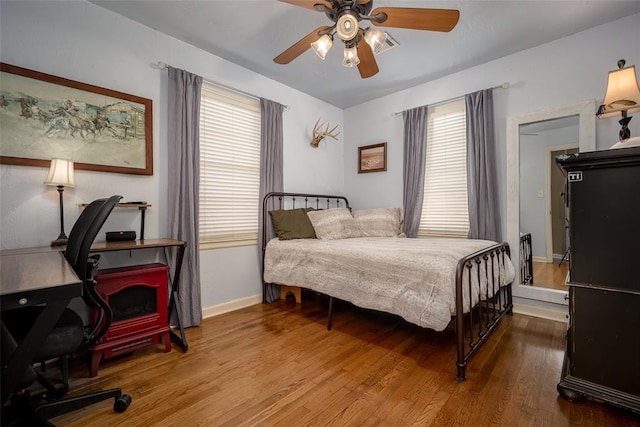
x: 319, y: 134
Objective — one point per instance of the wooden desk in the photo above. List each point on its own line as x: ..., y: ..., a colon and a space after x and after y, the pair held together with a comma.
x: 134, y: 244
x: 101, y: 246
x: 28, y: 279
x: 129, y: 245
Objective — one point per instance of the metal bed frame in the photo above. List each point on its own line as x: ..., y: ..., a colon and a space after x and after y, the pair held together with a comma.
x: 526, y: 262
x: 473, y: 326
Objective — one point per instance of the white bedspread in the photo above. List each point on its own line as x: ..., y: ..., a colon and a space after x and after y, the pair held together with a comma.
x: 413, y: 278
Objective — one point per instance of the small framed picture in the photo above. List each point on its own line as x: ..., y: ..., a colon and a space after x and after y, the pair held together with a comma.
x: 372, y: 158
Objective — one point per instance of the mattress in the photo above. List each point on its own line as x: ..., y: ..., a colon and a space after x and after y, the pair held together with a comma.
x: 412, y: 278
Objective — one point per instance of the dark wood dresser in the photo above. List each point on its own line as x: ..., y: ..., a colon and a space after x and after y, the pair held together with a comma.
x: 602, y: 360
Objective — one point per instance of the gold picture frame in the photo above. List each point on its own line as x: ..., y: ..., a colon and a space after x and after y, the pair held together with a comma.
x: 372, y: 158
x: 45, y: 116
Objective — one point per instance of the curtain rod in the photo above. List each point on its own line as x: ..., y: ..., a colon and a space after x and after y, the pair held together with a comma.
x: 161, y: 66
x: 504, y: 85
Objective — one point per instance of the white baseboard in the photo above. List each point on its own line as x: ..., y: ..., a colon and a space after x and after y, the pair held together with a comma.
x: 525, y: 309
x: 231, y: 306
x: 539, y: 259
x: 544, y: 313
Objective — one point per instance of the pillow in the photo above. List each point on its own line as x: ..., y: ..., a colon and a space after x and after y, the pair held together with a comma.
x: 336, y: 223
x: 381, y: 222
x: 292, y: 224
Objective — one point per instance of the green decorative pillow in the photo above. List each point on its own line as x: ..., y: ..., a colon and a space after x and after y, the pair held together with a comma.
x: 292, y: 224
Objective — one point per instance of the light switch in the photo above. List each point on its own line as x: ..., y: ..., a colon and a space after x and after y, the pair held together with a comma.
x: 540, y: 194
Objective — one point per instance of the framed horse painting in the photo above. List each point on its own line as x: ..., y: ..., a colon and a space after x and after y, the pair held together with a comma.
x: 45, y: 117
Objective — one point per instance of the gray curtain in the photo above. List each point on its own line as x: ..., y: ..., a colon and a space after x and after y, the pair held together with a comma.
x: 482, y: 188
x: 271, y: 170
x: 184, y: 179
x: 415, y: 146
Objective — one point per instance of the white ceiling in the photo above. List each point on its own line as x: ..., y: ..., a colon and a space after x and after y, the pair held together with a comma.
x: 252, y: 33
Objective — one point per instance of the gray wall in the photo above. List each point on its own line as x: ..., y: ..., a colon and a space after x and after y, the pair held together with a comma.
x: 541, y: 78
x: 81, y: 41
x: 84, y: 42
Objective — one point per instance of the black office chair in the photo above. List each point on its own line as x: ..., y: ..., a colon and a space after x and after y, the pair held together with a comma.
x: 69, y: 334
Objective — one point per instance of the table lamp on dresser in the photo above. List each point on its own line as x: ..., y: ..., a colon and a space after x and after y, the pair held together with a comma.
x: 61, y: 175
x: 622, y: 97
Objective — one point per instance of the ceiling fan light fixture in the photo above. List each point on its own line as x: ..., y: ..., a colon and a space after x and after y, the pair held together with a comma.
x: 346, y: 16
x: 347, y: 27
x: 322, y: 46
x: 375, y: 39
x: 350, y: 56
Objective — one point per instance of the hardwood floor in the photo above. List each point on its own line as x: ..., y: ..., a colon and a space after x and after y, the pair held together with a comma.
x: 276, y: 364
x: 550, y: 275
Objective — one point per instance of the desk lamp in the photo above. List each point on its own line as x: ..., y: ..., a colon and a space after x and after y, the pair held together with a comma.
x: 61, y: 175
x: 622, y: 96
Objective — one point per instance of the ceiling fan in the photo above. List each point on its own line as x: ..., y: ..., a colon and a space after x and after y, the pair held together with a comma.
x: 362, y: 44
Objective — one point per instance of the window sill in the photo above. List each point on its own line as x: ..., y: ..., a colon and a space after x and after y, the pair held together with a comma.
x: 233, y: 244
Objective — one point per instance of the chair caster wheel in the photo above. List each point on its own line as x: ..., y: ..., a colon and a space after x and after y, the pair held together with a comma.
x: 122, y: 403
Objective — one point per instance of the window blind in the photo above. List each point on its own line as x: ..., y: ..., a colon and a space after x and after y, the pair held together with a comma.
x: 445, y: 206
x: 229, y: 167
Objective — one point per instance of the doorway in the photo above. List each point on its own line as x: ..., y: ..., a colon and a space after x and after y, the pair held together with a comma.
x: 557, y: 220
x: 552, y: 272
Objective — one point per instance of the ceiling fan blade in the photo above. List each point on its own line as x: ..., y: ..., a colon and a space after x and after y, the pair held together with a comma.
x: 299, y: 47
x: 367, y: 66
x: 417, y: 19
x: 307, y: 4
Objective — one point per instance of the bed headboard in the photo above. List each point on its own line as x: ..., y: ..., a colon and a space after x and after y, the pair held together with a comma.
x: 277, y: 200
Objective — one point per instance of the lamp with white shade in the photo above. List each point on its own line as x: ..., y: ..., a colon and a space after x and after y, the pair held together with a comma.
x: 622, y: 96
x: 61, y: 175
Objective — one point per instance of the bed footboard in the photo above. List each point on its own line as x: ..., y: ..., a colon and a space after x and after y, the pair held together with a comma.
x: 475, y: 323
x: 526, y: 260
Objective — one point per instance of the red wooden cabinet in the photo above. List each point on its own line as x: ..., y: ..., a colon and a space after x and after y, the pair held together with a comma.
x: 138, y: 296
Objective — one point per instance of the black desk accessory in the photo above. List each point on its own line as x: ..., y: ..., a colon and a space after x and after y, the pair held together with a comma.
x: 118, y: 236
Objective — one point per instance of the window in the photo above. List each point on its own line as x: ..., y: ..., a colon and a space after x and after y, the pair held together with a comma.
x: 229, y: 168
x: 445, y: 207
